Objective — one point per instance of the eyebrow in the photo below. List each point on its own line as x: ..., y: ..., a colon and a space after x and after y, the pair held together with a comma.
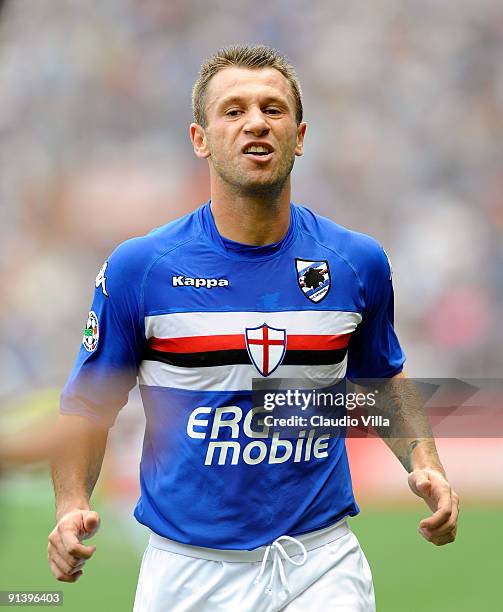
x: 239, y: 99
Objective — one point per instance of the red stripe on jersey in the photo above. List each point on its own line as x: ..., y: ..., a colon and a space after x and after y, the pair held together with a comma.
x: 301, y: 342
x: 199, y: 344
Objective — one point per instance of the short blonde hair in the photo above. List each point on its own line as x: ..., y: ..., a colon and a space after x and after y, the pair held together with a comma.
x: 245, y: 56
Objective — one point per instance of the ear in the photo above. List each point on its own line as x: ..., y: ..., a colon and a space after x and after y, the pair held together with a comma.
x: 199, y: 142
x: 301, y: 132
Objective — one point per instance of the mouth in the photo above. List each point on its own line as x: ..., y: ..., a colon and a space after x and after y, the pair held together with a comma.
x: 259, y: 152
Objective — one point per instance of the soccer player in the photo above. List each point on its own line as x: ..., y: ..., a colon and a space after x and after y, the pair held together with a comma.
x: 248, y: 286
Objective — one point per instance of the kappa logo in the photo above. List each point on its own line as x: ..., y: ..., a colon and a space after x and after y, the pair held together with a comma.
x: 207, y: 283
x: 266, y: 347
x: 389, y: 264
x: 313, y: 278
x: 101, y: 279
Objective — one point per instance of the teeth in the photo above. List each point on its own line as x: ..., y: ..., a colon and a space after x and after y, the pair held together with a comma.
x: 255, y: 149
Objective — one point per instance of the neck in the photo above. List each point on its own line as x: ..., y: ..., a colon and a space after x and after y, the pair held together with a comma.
x: 256, y: 218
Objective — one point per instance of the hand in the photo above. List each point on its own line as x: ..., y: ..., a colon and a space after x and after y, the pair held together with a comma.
x: 66, y: 554
x: 440, y: 528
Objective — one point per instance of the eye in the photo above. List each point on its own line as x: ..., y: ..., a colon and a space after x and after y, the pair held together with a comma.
x: 233, y: 112
x: 271, y: 110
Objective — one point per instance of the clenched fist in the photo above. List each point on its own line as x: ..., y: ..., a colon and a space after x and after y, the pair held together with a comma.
x: 440, y: 528
x: 66, y: 553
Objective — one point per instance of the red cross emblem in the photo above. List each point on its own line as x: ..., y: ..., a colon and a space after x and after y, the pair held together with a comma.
x: 266, y: 347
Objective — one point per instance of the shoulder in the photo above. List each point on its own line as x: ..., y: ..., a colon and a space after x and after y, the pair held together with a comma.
x: 361, y: 251
x: 131, y: 261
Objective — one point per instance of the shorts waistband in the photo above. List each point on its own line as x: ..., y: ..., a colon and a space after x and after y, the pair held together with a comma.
x: 310, y: 540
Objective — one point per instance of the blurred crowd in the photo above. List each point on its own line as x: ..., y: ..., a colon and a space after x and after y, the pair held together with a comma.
x: 404, y: 102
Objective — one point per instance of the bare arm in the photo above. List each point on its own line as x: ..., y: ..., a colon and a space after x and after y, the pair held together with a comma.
x: 409, y: 435
x: 411, y: 440
x: 76, y: 465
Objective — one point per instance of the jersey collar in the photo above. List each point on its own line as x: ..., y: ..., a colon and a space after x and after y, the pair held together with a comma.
x: 245, y: 252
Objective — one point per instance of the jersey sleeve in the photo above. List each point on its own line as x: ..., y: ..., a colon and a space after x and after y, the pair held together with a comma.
x: 374, y: 350
x: 107, y: 363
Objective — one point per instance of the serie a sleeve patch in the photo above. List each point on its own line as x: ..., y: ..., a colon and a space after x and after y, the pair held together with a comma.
x: 91, y: 332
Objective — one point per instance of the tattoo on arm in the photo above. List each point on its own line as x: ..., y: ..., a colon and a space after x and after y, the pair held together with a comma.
x: 400, y: 402
x: 406, y: 459
x: 409, y: 427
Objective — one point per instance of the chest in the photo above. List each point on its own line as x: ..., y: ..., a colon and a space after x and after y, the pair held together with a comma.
x: 218, y: 320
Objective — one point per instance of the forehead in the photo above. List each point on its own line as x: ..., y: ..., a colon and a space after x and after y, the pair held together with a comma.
x: 247, y: 83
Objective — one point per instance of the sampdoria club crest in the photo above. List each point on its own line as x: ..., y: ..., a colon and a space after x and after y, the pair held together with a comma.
x: 313, y: 278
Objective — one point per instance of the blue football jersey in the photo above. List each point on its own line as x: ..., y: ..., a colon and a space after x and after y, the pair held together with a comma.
x: 194, y: 318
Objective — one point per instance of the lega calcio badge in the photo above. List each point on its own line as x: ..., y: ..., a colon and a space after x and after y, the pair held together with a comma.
x: 91, y: 333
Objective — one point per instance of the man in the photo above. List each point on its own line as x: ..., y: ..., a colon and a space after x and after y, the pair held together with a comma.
x: 248, y: 286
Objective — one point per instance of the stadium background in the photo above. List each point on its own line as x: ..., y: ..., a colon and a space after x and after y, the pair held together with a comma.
x: 404, y: 102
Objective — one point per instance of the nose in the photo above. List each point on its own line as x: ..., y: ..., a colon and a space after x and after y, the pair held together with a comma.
x: 255, y: 122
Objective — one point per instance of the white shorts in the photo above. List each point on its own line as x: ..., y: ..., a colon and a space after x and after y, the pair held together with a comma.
x: 324, y: 569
